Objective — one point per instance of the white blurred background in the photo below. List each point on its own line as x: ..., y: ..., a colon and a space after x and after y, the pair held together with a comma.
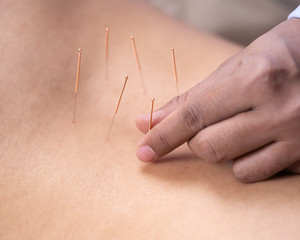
x: 239, y: 20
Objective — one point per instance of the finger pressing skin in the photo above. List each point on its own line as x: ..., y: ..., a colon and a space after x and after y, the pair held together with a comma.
x: 233, y: 137
x: 265, y: 162
x: 142, y: 121
x: 214, y: 104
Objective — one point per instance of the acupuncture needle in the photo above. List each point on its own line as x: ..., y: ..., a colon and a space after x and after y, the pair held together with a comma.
x: 138, y: 63
x: 106, y: 42
x: 151, y: 113
x: 117, y: 108
x: 175, y: 70
x: 106, y: 56
x: 76, y: 84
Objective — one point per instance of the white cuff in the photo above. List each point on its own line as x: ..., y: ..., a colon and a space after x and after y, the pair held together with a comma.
x: 295, y: 13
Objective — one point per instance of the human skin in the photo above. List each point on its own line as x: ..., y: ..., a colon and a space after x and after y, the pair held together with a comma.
x: 248, y: 110
x: 64, y: 181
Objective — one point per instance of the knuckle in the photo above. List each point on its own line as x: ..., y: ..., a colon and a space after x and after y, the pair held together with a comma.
x: 241, y: 174
x: 289, y: 120
x: 177, y: 100
x: 267, y: 76
x: 205, y: 150
x: 192, y: 118
x: 164, y: 143
x: 227, y: 63
x: 293, y: 112
x: 262, y: 69
x: 263, y: 66
x: 184, y: 96
x: 174, y: 101
x: 247, y: 175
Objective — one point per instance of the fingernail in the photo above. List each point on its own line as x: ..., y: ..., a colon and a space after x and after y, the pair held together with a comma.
x: 145, y: 153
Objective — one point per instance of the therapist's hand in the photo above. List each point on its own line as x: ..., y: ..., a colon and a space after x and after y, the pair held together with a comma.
x: 248, y: 110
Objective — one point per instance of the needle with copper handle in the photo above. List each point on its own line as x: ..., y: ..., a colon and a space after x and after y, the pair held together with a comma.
x: 106, y: 70
x: 138, y: 63
x: 135, y: 53
x: 117, y: 108
x: 151, y: 113
x: 106, y: 42
x: 77, y: 84
x: 175, y: 70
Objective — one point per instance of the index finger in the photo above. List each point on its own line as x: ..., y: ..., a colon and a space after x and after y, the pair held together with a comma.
x: 221, y: 100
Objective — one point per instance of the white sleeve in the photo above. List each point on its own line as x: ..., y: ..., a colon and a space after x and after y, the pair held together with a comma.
x: 295, y: 13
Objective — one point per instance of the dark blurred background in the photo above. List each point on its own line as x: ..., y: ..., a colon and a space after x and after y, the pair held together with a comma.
x: 238, y: 20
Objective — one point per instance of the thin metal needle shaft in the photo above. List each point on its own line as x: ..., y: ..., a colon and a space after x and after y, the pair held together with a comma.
x: 117, y: 108
x: 138, y: 64
x: 175, y: 70
x: 106, y: 42
x: 135, y: 54
x: 76, y: 84
x: 151, y: 113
